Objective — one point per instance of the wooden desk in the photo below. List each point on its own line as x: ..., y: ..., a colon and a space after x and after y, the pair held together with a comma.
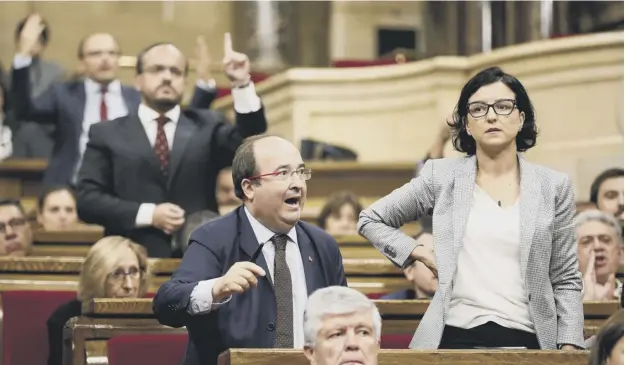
x: 414, y: 357
x: 61, y: 273
x: 403, y: 316
x: 66, y: 243
x: 21, y: 177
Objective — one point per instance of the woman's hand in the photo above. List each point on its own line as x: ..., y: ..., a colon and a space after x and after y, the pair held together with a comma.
x: 421, y: 253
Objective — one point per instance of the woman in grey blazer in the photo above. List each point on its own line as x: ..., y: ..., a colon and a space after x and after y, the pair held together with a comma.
x: 504, y: 247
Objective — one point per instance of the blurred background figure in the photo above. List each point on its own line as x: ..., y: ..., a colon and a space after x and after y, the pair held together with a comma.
x: 226, y: 198
x: 180, y: 239
x: 16, y: 237
x: 56, y: 208
x: 340, y: 213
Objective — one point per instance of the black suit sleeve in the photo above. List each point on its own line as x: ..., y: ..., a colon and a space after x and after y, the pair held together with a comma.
x: 199, y: 263
x: 228, y: 137
x: 97, y: 201
x: 202, y: 98
x: 339, y: 273
x: 42, y: 109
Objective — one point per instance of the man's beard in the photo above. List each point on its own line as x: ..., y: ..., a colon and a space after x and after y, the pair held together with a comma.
x: 163, y: 105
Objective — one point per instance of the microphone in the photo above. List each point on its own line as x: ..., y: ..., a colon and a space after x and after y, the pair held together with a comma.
x: 499, y: 203
x: 259, y: 250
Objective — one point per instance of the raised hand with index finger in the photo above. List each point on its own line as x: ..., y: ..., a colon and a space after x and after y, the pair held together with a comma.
x: 236, y: 64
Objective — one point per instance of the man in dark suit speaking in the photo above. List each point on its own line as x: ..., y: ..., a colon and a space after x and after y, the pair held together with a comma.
x: 142, y: 173
x: 245, y: 277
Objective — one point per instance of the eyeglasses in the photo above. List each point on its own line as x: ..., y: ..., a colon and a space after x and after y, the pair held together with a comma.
x: 120, y: 274
x: 13, y: 223
x: 283, y: 175
x: 479, y: 109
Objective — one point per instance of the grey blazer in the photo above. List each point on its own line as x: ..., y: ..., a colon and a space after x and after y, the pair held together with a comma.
x: 549, y: 261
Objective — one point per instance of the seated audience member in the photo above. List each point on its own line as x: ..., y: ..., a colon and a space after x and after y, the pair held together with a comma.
x: 56, y: 208
x: 115, y: 267
x: 423, y: 280
x: 225, y: 189
x: 600, y: 252
x: 339, y: 215
x: 607, y: 192
x: 608, y: 345
x: 16, y: 237
x: 180, y: 240
x: 341, y: 326
x: 584, y: 206
x: 590, y: 342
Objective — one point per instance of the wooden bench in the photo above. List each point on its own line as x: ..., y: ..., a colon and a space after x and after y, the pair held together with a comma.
x: 415, y: 357
x: 66, y: 243
x: 61, y: 273
x: 104, y: 318
x: 403, y: 316
x: 21, y: 178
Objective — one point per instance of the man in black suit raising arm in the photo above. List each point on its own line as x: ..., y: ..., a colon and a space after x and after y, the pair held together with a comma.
x: 143, y: 172
x: 245, y: 278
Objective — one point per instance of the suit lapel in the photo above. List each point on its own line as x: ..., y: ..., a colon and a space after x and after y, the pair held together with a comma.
x: 138, y: 139
x: 185, y: 129
x: 464, y: 183
x: 80, y: 98
x: 131, y: 98
x: 308, y: 257
x: 249, y: 243
x: 529, y: 204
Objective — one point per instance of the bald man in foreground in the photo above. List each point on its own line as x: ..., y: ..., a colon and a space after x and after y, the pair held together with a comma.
x: 73, y: 106
x: 245, y: 278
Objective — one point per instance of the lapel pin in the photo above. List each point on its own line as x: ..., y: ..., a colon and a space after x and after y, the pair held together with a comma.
x: 310, y: 258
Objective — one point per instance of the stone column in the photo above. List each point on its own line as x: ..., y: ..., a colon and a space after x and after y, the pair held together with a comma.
x: 281, y: 34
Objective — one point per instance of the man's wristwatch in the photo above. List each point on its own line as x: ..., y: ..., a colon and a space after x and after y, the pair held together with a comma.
x: 242, y: 84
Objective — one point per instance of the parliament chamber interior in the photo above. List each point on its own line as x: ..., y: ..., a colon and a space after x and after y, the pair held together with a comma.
x: 102, y: 229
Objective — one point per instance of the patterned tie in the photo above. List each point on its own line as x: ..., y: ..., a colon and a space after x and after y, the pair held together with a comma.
x: 284, y: 294
x: 161, y: 147
x: 103, y: 109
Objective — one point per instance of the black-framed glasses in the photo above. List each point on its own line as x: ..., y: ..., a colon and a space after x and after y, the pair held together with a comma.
x: 13, y: 223
x: 120, y: 274
x: 303, y: 174
x: 479, y: 109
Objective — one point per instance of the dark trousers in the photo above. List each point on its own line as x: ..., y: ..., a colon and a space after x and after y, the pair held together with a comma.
x: 488, y: 335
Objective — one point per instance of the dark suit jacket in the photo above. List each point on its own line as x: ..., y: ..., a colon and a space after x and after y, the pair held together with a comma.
x: 247, y: 320
x: 63, y: 104
x: 55, y: 324
x: 120, y: 170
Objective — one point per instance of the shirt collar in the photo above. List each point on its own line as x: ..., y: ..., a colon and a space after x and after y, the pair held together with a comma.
x: 92, y: 87
x: 147, y: 115
x: 264, y: 234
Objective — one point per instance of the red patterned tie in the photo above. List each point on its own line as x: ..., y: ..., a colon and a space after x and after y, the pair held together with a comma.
x: 103, y: 109
x: 161, y: 147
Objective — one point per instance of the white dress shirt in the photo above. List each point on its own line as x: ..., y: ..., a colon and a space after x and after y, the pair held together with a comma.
x: 488, y: 285
x: 6, y: 140
x: 201, y: 300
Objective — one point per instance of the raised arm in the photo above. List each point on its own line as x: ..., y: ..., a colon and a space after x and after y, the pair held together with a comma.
x: 381, y: 222
x: 564, y: 271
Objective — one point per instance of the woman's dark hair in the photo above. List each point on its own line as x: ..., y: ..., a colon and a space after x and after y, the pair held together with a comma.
x: 607, y: 174
x: 462, y: 141
x: 334, y: 204
x: 608, y: 336
x: 45, y: 192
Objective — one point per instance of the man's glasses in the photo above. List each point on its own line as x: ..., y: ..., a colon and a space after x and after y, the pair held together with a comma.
x: 479, y: 109
x: 120, y: 274
x: 13, y: 223
x: 303, y: 174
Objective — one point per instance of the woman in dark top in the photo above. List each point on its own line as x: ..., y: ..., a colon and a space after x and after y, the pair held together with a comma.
x: 115, y: 267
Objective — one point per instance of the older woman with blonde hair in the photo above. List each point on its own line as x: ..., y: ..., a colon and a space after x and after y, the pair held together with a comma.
x: 115, y: 267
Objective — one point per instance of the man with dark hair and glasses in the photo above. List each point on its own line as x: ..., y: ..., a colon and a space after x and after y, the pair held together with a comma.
x: 245, y: 277
x: 16, y: 237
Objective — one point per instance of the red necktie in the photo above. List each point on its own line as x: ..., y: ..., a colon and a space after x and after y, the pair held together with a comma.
x: 161, y: 147
x: 103, y: 109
